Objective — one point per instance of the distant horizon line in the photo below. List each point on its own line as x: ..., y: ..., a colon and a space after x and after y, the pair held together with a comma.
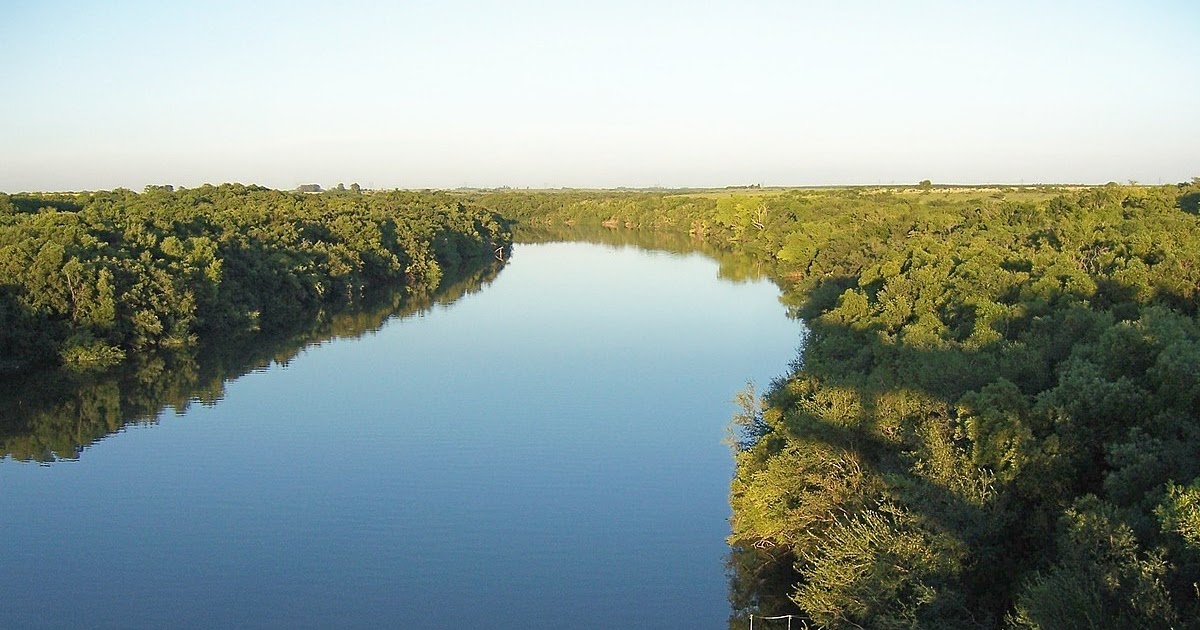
x: 657, y: 188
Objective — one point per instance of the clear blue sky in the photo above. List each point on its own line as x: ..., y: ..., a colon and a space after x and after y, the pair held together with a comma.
x: 615, y: 93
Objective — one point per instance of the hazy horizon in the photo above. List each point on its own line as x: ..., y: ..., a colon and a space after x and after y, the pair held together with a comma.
x: 730, y: 187
x: 581, y: 95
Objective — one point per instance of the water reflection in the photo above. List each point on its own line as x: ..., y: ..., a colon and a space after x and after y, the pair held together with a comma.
x: 759, y: 581
x: 735, y: 266
x: 583, y: 484
x: 759, y: 578
x: 55, y: 416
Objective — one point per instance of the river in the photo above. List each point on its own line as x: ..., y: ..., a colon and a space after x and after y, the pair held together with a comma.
x: 544, y: 452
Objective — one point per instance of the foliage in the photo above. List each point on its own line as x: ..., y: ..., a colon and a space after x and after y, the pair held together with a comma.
x: 994, y: 420
x: 1101, y: 580
x: 91, y: 279
x: 1180, y: 512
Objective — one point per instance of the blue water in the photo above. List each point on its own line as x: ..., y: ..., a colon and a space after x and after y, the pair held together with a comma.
x: 545, y: 453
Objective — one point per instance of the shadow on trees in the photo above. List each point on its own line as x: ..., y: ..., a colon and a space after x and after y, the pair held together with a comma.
x: 977, y: 466
x: 996, y: 398
x: 1190, y: 202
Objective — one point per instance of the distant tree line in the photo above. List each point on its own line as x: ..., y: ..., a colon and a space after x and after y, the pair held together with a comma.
x: 994, y: 421
x: 88, y: 279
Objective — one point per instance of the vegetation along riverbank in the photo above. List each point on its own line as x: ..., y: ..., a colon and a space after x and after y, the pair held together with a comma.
x: 88, y: 279
x: 993, y: 422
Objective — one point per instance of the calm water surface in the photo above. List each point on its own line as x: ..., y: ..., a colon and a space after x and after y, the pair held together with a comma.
x: 545, y: 453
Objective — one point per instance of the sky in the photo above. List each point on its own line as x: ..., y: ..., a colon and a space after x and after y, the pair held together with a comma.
x: 637, y: 93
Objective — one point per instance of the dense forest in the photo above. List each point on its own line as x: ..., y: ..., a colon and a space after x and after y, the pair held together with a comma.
x: 993, y: 422
x: 87, y: 280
